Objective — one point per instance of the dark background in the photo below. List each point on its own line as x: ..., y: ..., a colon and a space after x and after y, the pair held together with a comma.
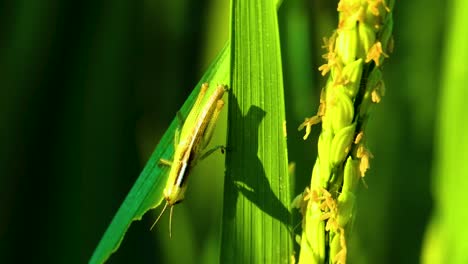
x: 88, y: 87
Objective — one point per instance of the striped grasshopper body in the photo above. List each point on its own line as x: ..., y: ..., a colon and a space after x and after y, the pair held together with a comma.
x: 190, y: 141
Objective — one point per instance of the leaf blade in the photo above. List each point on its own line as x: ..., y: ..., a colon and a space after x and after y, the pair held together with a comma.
x: 256, y: 215
x: 147, y: 192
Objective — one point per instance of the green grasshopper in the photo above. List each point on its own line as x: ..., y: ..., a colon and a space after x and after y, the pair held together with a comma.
x: 190, y: 141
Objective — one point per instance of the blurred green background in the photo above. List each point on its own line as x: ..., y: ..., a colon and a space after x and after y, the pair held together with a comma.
x: 88, y: 88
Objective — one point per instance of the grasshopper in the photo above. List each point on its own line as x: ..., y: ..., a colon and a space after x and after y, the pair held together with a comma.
x: 190, y: 141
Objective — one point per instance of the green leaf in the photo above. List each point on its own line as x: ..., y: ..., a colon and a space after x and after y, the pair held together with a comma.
x: 445, y: 240
x: 147, y: 192
x: 256, y: 217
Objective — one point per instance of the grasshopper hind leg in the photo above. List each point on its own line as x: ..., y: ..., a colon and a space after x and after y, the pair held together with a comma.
x: 211, y: 126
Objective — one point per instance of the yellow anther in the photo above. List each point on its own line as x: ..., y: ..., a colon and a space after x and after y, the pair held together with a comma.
x: 359, y: 137
x: 365, y: 155
x: 375, y: 52
x: 374, y: 6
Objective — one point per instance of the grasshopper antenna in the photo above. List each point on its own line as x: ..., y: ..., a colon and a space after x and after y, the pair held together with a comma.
x: 162, y: 212
x: 170, y: 221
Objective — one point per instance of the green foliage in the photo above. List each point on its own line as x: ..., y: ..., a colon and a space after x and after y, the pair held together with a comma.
x: 88, y: 89
x: 147, y: 193
x: 256, y: 217
x: 445, y: 240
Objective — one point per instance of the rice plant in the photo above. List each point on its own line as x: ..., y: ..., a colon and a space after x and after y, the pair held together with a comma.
x: 99, y: 98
